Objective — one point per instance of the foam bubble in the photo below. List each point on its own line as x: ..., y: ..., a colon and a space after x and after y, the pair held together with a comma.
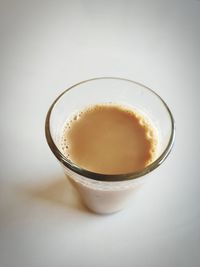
x: 141, y: 122
x: 149, y: 134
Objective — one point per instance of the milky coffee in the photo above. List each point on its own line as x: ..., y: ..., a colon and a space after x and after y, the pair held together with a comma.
x: 109, y: 139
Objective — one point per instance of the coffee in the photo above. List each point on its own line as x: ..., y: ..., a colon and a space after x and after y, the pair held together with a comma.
x: 109, y: 139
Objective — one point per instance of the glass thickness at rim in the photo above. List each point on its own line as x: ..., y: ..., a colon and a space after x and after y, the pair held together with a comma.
x: 105, y: 177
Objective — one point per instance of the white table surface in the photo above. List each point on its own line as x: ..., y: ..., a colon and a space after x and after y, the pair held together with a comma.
x: 47, y: 46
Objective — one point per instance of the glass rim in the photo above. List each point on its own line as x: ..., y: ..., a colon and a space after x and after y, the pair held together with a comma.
x: 107, y: 177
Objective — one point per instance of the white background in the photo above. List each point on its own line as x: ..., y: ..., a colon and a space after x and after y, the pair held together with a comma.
x: 47, y: 46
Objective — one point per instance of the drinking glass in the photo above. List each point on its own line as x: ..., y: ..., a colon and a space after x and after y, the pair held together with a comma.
x: 104, y: 193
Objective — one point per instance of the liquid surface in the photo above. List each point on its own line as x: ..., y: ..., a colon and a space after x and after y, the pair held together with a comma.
x: 109, y: 139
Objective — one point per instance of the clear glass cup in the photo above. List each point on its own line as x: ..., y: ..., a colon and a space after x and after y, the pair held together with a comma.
x: 103, y: 193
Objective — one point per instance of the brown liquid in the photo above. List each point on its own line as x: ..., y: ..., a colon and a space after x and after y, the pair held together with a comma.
x: 109, y: 139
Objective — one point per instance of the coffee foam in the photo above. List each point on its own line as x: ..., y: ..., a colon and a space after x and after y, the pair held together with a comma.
x: 150, y: 131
